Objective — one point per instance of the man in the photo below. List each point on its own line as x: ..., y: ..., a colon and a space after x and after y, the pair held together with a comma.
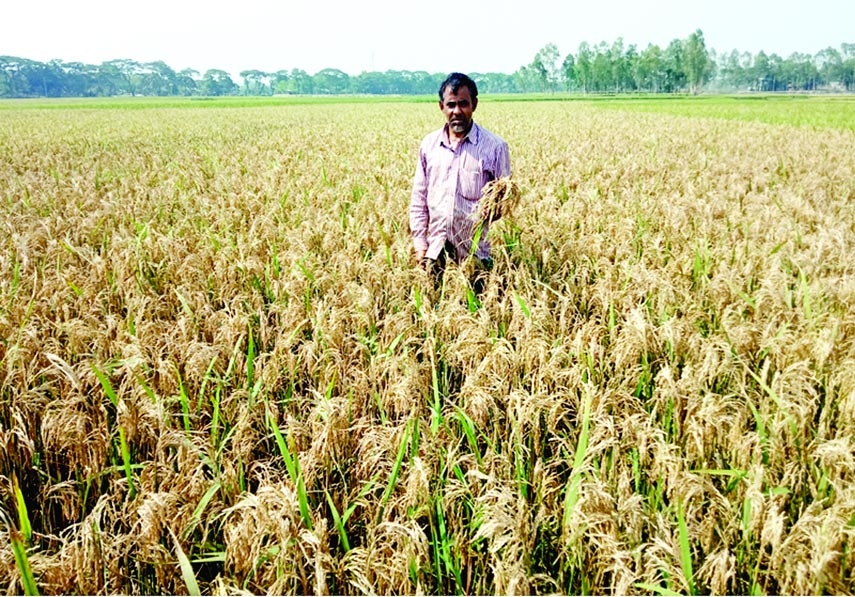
x: 454, y: 164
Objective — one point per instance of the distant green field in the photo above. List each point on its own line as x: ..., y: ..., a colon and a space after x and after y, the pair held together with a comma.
x: 820, y: 112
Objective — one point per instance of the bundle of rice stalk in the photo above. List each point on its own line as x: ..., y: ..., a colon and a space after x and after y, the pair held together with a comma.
x: 499, y: 198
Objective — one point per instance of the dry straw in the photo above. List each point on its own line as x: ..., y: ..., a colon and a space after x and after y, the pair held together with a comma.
x: 219, y: 371
x: 499, y: 198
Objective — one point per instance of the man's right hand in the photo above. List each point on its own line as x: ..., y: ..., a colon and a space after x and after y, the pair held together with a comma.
x: 420, y: 257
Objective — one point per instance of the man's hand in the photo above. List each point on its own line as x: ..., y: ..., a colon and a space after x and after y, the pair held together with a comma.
x: 420, y: 256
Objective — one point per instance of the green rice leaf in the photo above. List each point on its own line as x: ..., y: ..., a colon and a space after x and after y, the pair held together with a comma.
x: 23, y: 562
x: 186, y: 568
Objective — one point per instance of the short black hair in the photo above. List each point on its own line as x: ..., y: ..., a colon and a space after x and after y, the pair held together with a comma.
x: 456, y: 81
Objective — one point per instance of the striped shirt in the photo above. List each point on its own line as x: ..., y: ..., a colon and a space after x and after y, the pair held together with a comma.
x: 447, y: 188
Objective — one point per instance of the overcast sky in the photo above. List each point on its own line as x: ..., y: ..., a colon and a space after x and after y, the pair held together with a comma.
x: 356, y: 36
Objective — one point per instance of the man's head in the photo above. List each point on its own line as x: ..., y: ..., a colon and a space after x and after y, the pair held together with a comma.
x: 456, y: 81
x: 458, y: 98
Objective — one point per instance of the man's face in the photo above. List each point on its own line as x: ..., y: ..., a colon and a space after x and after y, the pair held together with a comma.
x: 458, y: 108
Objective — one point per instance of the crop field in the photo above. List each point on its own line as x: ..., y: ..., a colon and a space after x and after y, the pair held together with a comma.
x: 221, y: 372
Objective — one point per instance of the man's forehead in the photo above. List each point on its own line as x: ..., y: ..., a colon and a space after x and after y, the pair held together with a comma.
x: 462, y: 94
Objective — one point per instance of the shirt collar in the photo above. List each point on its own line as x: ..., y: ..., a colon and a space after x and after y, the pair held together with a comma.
x: 472, y: 135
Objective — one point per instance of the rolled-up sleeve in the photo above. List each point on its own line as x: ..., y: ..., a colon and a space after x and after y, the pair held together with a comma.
x: 419, y: 205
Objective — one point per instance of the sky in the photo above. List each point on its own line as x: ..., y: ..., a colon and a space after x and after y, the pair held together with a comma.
x: 438, y: 37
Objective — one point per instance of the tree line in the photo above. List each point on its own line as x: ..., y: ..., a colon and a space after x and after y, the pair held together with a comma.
x: 684, y: 66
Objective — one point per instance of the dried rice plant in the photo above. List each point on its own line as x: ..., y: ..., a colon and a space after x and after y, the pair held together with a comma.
x: 499, y: 198
x: 215, y: 354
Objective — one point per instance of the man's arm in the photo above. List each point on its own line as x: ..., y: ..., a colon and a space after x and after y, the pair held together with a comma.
x: 419, y: 217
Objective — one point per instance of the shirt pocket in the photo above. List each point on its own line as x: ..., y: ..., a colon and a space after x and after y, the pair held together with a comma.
x: 471, y: 184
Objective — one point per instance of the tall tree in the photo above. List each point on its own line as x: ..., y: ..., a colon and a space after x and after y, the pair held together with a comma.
x: 731, y: 71
x: 830, y: 65
x: 371, y: 83
x: 630, y: 59
x: 157, y: 78
x: 78, y: 79
x: 130, y: 71
x: 584, y: 67
x: 525, y: 79
x: 697, y: 64
x: 621, y: 78
x: 545, y: 66
x: 799, y: 73
x: 602, y: 72
x: 674, y: 70
x: 48, y: 80
x: 187, y: 82
x: 279, y: 81
x: 763, y: 72
x: 650, y: 69
x: 301, y: 81
x: 255, y: 82
x: 218, y: 82
x: 847, y: 66
x: 331, y: 81
x: 15, y: 80
x: 568, y: 72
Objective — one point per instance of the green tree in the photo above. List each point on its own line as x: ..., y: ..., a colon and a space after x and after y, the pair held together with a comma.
x: 157, y: 78
x: 255, y: 82
x: 766, y: 72
x: 830, y: 64
x: 279, y: 82
x: 798, y: 72
x: 732, y: 71
x: 397, y: 83
x: 621, y: 74
x: 187, y: 82
x: 649, y: 69
x: 48, y: 80
x: 568, y: 72
x: 584, y: 67
x: 630, y: 60
x: 331, y: 81
x: 301, y: 81
x: 697, y: 64
x: 217, y: 82
x: 525, y: 80
x: 79, y: 79
x: 111, y: 78
x: 130, y: 71
x: 370, y: 83
x: 545, y: 67
x: 14, y: 81
x: 601, y: 68
x: 674, y: 72
x: 428, y: 84
x: 847, y: 66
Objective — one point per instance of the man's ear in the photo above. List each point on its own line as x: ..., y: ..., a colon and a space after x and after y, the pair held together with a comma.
x: 474, y: 103
x: 440, y: 104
